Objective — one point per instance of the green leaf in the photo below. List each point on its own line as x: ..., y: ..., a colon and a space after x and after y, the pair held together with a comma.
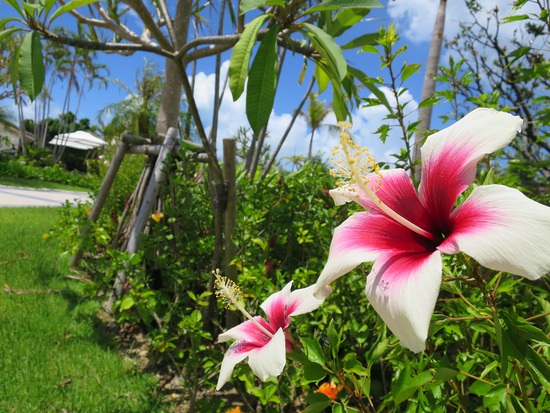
x: 31, y: 65
x: 430, y: 101
x: 323, y: 79
x: 8, y: 19
x: 313, y: 350
x: 313, y: 372
x: 361, y: 41
x: 318, y: 407
x: 247, y: 5
x: 509, y: 19
x: 262, y: 82
x: 70, y: 6
x: 352, y: 365
x: 339, y: 106
x: 48, y: 5
x: 515, y: 334
x: 496, y: 396
x: 31, y: 8
x: 328, y: 48
x: 409, y: 70
x: 7, y: 32
x: 480, y: 388
x: 334, y: 339
x: 444, y: 373
x: 344, y: 21
x: 343, y: 4
x: 15, y: 5
x: 240, y: 57
x: 127, y: 303
x: 370, y: 84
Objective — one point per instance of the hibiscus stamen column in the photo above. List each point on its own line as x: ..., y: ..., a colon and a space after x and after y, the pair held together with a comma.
x: 357, y: 157
x: 230, y: 293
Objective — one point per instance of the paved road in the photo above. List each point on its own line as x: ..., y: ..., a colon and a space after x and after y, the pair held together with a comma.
x: 11, y: 196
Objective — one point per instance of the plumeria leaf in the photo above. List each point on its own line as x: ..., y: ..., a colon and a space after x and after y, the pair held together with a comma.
x: 240, y: 57
x: 7, y: 32
x: 323, y: 79
x: 3, y: 22
x: 370, y: 84
x: 342, y: 4
x: 31, y: 65
x: 15, y: 5
x: 262, y: 82
x: 70, y: 6
x: 344, y: 20
x: 328, y: 48
x: 31, y: 9
x: 247, y: 5
x: 339, y: 106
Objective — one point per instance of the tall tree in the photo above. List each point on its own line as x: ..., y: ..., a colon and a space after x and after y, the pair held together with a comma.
x: 138, y: 112
x: 317, y: 111
x: 428, y: 88
x: 492, y: 70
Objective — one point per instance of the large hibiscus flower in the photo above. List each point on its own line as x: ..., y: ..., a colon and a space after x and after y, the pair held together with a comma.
x: 404, y: 232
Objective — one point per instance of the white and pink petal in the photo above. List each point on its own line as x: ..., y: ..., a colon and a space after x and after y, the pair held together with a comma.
x: 303, y: 301
x: 362, y: 238
x: 269, y: 360
x: 275, y: 308
x: 403, y: 289
x: 450, y: 157
x: 233, y: 356
x: 249, y: 331
x: 503, y: 230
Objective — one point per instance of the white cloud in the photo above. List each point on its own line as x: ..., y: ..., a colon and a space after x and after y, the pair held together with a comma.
x: 416, y: 18
x: 366, y: 121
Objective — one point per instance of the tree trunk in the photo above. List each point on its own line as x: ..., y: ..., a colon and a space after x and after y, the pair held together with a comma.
x: 171, y: 92
x: 310, y: 149
x: 428, y: 88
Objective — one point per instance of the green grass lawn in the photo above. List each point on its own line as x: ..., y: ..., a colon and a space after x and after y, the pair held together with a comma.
x: 53, y: 354
x: 29, y: 183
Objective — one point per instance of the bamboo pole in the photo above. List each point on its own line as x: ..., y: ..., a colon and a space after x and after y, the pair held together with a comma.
x: 145, y: 210
x: 101, y: 197
x: 230, y: 175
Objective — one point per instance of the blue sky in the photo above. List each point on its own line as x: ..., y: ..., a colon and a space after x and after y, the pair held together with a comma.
x: 414, y: 19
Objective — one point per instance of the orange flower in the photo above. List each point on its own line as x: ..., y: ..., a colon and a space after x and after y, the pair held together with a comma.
x: 157, y: 216
x: 236, y: 409
x: 330, y: 390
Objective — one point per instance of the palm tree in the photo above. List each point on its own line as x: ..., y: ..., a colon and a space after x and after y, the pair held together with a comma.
x: 317, y: 111
x: 138, y: 112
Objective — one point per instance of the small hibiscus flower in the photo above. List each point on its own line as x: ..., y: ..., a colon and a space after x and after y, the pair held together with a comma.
x: 263, y: 342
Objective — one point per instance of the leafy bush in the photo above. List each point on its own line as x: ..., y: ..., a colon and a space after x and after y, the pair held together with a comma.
x: 20, y: 168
